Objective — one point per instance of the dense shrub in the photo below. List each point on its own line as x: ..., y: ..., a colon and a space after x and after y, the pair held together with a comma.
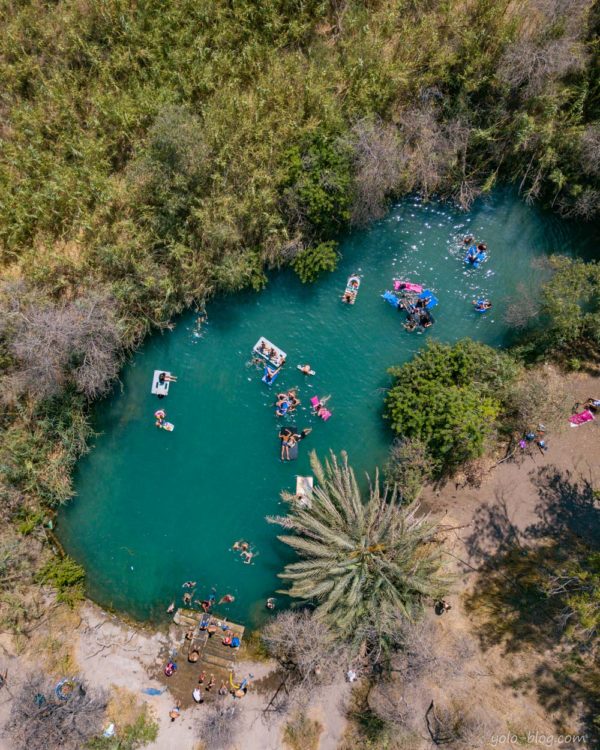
x: 408, y: 467
x: 312, y: 261
x: 317, y: 188
x: 449, y: 397
x: 571, y: 302
x: 66, y: 576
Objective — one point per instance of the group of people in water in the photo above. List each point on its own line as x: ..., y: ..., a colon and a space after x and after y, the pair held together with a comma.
x: 287, y: 403
x: 417, y: 314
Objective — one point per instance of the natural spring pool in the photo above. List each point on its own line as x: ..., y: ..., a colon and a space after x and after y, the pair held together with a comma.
x: 154, y: 509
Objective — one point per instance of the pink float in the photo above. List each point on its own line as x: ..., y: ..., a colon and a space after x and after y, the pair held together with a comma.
x: 407, y: 286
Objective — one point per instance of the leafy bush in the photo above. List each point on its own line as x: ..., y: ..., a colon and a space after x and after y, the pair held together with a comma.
x: 312, y: 261
x: 408, y: 467
x: 571, y: 302
x: 449, y: 398
x: 66, y: 576
x: 317, y: 189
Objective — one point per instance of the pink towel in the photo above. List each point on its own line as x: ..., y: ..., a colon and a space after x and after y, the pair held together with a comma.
x: 581, y: 418
x: 315, y: 401
x: 398, y: 284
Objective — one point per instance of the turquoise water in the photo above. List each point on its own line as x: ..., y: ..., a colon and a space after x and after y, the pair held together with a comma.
x: 154, y: 509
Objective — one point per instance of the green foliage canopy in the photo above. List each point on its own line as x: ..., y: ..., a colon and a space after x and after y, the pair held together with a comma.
x: 449, y: 397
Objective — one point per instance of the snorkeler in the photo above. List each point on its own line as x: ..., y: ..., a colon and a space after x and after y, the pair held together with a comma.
x: 247, y: 555
x: 227, y: 599
x: 482, y: 304
x: 270, y: 603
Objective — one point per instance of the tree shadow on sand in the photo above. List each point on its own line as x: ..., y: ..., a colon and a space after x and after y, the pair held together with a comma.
x: 513, y: 602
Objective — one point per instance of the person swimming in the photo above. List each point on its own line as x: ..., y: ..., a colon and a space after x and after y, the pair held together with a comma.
x: 482, y: 304
x: 270, y: 604
x: 305, y: 369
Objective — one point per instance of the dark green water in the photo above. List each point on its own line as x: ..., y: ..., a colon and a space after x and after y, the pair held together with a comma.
x: 154, y: 509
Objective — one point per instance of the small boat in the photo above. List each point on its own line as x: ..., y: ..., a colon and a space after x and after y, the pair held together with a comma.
x: 351, y: 291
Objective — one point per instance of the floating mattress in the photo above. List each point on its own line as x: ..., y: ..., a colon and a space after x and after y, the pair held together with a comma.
x: 391, y: 298
x: 269, y: 382
x: 304, y: 488
x: 275, y: 359
x: 293, y: 452
x: 168, y: 426
x: 407, y: 286
x: 158, y: 388
x: 432, y: 302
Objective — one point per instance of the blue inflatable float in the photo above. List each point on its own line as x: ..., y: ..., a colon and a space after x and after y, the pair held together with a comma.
x: 391, y: 298
x: 475, y: 257
x: 480, y: 306
x: 430, y: 296
x: 273, y: 377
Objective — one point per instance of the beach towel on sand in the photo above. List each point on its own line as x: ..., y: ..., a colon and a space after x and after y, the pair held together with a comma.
x: 581, y: 418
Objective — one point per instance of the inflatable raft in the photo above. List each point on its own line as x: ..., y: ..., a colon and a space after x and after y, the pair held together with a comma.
x: 351, y: 291
x: 407, y: 286
x: 158, y: 388
x: 266, y: 350
x: 479, y: 308
x: 304, y: 488
x: 475, y: 257
x: 427, y: 294
x: 273, y: 377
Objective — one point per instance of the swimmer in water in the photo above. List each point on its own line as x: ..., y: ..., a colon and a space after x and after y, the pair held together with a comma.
x: 305, y: 369
x: 247, y: 555
x: 270, y: 603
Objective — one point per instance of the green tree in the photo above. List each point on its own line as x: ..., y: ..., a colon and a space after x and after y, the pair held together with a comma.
x: 317, y: 190
x: 364, y: 561
x: 312, y: 261
x: 449, y: 397
x: 571, y: 302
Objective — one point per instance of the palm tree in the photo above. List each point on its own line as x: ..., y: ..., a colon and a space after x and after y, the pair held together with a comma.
x: 366, y: 565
